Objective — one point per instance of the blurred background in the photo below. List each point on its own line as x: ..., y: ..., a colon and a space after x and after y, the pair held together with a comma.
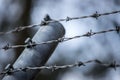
x: 105, y: 47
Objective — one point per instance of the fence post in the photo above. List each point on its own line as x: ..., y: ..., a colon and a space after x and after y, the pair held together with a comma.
x: 37, y: 55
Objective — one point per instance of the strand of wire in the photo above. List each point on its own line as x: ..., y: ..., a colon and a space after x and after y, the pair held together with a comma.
x: 30, y: 44
x: 18, y: 29
x: 44, y: 22
x: 95, y: 15
x: 9, y: 68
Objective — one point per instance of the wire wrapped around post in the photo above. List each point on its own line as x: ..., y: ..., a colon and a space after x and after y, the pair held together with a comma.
x: 37, y: 55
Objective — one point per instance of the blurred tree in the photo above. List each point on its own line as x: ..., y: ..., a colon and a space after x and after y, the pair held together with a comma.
x: 17, y: 14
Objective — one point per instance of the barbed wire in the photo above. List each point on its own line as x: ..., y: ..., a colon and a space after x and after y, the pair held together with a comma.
x: 30, y: 44
x: 10, y: 69
x: 18, y: 29
x: 44, y: 22
x: 95, y: 15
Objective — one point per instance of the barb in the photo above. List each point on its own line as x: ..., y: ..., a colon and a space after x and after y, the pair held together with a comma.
x: 31, y: 44
x: 9, y: 69
x: 45, y: 22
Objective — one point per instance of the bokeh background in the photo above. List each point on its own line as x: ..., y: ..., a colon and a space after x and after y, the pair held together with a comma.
x: 105, y: 47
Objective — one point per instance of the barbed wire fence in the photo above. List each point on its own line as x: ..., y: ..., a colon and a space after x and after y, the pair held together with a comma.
x: 9, y: 69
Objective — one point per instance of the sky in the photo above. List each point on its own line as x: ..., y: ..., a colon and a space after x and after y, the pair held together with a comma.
x: 96, y: 47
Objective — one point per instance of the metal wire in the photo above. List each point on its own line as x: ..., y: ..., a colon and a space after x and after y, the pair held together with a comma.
x: 10, y: 69
x: 95, y: 15
x: 32, y: 44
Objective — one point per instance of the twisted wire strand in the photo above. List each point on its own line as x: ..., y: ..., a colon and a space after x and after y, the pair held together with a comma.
x: 9, y: 70
x: 31, y: 44
x: 44, y: 22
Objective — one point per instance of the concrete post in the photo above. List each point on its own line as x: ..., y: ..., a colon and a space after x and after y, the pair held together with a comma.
x: 38, y: 55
